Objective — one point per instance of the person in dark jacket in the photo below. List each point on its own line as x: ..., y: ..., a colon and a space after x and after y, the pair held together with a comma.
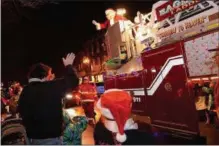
x: 40, y: 103
x: 116, y: 127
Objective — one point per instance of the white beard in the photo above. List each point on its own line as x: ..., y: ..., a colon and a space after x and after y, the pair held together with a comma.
x: 112, y: 22
x: 112, y: 125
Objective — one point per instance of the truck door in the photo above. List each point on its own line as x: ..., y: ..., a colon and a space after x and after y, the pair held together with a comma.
x: 109, y: 82
x: 169, y: 103
x: 133, y: 83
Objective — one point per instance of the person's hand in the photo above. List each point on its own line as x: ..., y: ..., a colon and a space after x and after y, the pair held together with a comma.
x: 95, y: 22
x: 69, y: 59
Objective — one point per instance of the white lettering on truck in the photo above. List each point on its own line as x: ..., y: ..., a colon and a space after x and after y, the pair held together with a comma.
x: 136, y: 99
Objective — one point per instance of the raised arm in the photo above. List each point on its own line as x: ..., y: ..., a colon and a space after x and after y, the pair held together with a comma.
x: 70, y: 80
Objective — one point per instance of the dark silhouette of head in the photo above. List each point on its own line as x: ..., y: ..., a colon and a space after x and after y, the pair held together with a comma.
x: 39, y: 71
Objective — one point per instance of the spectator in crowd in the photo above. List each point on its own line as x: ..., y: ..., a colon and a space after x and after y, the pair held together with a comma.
x: 4, y: 102
x: 116, y: 126
x: 201, y: 98
x: 40, y: 103
x: 14, y: 91
x: 9, y: 99
x: 73, y: 129
x: 216, y: 88
x: 4, y: 113
x: 211, y: 95
x: 210, y: 103
x: 88, y: 97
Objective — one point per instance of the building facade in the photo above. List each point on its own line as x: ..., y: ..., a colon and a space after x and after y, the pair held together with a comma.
x: 90, y: 60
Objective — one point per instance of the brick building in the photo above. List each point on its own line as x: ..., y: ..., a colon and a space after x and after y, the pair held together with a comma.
x: 91, y: 58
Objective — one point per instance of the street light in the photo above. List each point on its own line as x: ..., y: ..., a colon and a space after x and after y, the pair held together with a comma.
x: 86, y: 60
x: 121, y: 11
x: 68, y: 96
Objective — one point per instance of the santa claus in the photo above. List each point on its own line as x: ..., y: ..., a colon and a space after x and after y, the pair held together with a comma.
x: 112, y: 18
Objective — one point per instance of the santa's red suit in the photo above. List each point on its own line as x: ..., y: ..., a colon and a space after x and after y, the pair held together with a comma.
x: 109, y: 23
x: 112, y: 18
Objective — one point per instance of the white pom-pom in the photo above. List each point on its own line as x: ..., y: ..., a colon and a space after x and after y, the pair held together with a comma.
x: 121, y: 138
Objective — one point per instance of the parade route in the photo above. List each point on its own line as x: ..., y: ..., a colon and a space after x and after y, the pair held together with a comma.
x: 87, y: 136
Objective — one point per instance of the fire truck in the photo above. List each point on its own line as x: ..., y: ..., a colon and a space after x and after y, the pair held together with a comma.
x: 160, y: 78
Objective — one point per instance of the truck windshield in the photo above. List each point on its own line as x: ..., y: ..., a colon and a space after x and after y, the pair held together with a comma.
x: 100, y: 87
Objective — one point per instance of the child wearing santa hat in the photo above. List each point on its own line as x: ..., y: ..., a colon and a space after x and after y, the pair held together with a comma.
x: 116, y: 126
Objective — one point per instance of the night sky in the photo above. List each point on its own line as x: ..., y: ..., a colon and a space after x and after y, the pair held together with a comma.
x: 45, y: 32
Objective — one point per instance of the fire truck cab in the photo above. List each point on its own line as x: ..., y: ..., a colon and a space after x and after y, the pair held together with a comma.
x: 161, y: 79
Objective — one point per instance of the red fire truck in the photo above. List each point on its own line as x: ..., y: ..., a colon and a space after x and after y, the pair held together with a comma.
x: 160, y: 79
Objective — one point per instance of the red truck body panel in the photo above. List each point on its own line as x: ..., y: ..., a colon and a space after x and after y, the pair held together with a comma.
x: 170, y: 103
x: 160, y: 90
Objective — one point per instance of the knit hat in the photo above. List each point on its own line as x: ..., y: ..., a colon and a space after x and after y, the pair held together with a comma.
x: 116, y: 104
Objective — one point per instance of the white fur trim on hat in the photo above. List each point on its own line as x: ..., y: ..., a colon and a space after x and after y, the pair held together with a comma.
x: 111, y: 90
x: 113, y: 127
x: 121, y: 138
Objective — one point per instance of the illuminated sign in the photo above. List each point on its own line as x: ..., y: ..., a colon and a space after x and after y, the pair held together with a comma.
x: 189, y: 17
x: 187, y: 25
x: 171, y: 8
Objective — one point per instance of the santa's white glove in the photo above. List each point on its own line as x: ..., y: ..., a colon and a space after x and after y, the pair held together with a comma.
x: 96, y: 24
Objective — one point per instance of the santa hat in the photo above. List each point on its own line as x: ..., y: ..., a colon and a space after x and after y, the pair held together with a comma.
x: 110, y: 10
x: 115, y: 105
